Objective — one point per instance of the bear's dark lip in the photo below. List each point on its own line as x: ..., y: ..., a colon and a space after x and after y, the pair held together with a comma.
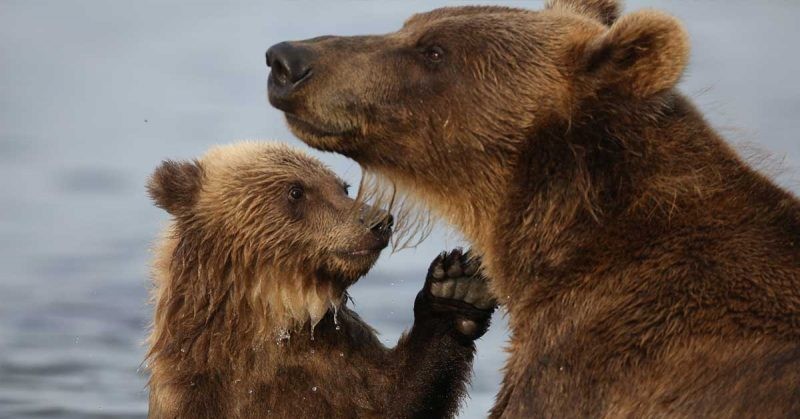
x: 363, y: 252
x: 316, y: 129
x: 360, y: 252
x: 359, y: 257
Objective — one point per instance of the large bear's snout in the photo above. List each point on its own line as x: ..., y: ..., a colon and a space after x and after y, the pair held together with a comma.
x: 290, y: 65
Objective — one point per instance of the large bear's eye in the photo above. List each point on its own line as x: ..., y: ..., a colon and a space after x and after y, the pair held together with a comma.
x: 296, y: 193
x: 434, y: 53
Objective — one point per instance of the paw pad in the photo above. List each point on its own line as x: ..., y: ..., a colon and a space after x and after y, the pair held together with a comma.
x: 457, y: 276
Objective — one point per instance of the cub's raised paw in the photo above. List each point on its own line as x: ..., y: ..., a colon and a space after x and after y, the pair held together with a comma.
x: 458, y: 290
x: 457, y: 276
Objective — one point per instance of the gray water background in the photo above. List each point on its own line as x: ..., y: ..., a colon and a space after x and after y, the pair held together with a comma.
x: 93, y: 94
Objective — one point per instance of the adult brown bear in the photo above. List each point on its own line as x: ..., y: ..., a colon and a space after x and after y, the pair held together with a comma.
x: 251, y: 316
x: 646, y: 269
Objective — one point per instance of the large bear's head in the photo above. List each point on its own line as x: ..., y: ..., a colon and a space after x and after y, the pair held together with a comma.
x: 453, y: 85
x: 264, y: 223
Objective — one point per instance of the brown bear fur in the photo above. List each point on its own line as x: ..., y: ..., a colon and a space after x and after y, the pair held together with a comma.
x: 251, y: 316
x: 647, y: 270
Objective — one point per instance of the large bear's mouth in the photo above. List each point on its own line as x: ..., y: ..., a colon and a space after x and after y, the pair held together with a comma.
x: 316, y: 129
x: 323, y: 136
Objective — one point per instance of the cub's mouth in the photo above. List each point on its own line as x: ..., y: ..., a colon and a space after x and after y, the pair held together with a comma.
x: 358, y: 253
x: 354, y: 258
x: 354, y: 262
x: 365, y: 250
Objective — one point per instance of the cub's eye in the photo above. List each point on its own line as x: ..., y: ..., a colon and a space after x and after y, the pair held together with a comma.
x: 346, y: 188
x: 434, y: 53
x: 296, y: 193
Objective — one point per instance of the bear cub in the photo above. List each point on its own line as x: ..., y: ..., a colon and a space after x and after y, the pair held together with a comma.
x: 250, y: 296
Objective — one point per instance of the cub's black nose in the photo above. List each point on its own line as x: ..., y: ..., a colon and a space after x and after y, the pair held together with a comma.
x: 290, y: 64
x: 384, y: 225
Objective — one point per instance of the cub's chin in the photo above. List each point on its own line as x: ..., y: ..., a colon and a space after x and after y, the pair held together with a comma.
x: 349, y: 267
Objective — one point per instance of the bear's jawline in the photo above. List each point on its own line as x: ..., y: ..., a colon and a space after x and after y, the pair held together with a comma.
x: 316, y: 129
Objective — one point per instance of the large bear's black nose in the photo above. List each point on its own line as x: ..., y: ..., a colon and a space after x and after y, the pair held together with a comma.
x: 290, y: 64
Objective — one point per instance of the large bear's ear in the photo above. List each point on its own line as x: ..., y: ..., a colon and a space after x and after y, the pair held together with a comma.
x: 174, y: 186
x: 642, y: 54
x: 606, y: 11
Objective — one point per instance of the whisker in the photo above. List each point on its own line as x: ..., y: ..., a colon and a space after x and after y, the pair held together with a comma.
x: 413, y: 223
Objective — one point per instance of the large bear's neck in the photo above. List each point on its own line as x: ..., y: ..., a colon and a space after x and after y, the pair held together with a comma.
x: 578, y: 186
x: 583, y: 193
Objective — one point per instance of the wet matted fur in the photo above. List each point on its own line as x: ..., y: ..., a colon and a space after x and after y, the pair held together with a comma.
x: 251, y: 317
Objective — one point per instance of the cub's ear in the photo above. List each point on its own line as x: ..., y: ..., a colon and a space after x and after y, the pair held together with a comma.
x: 174, y: 185
x: 642, y: 54
x: 606, y: 11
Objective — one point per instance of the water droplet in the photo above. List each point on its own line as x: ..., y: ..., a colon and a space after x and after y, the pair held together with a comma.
x: 341, y: 354
x: 336, y: 316
x: 183, y: 350
x: 250, y: 391
x: 312, y: 330
x: 314, y: 388
x: 192, y: 384
x: 77, y: 338
x: 283, y: 336
x: 338, y: 327
x: 237, y: 381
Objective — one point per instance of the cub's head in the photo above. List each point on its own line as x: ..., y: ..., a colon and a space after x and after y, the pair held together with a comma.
x: 454, y: 83
x: 265, y: 222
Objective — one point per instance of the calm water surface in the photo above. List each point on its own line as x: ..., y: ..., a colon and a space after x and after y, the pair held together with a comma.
x: 93, y: 94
